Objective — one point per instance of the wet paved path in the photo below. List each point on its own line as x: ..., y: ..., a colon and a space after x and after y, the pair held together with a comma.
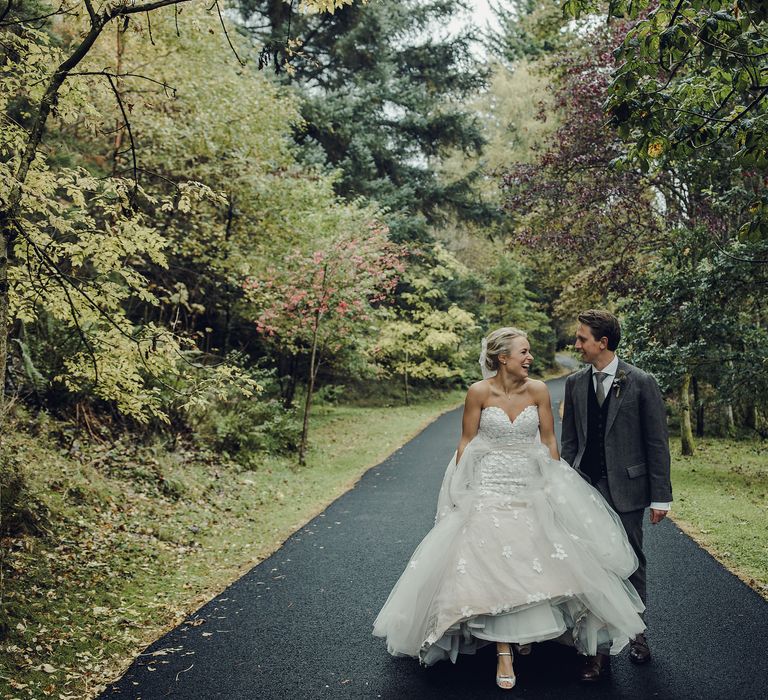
x: 298, y: 625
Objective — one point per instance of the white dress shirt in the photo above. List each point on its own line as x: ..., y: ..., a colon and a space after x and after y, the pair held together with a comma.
x: 610, y: 371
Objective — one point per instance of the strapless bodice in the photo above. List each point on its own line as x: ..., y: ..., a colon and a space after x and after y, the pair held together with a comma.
x: 508, y: 467
x: 496, y: 425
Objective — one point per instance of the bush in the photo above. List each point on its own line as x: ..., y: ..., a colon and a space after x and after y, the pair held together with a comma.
x: 22, y: 512
x: 257, y: 425
x: 245, y: 427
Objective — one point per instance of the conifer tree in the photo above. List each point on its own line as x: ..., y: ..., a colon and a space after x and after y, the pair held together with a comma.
x: 385, y: 87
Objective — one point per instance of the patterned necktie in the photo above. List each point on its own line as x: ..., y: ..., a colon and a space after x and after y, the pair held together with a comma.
x: 600, y: 390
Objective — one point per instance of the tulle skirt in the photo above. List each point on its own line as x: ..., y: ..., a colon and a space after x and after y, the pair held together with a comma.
x: 548, y: 559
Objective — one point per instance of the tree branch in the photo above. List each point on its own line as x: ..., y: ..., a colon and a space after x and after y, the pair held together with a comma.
x: 91, y: 11
x: 120, y: 76
x: 51, y: 93
x: 731, y: 122
x: 123, y: 10
x: 675, y: 13
x: 6, y: 10
x: 127, y: 124
x: 48, y: 262
x: 226, y: 33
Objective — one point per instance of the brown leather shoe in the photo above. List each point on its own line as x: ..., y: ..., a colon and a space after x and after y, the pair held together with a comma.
x: 594, y: 667
x: 639, y: 651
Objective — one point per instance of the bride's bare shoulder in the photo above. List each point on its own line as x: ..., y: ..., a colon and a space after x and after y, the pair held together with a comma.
x: 479, y: 391
x: 538, y: 389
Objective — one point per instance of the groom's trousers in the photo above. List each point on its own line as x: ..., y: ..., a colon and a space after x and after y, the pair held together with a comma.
x: 633, y: 526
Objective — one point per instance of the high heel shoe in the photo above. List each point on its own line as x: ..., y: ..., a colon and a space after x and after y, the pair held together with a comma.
x: 506, y: 682
x: 522, y: 649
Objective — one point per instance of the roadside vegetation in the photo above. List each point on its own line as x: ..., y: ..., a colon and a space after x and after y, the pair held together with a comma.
x: 228, y: 228
x: 123, y: 540
x: 721, y: 500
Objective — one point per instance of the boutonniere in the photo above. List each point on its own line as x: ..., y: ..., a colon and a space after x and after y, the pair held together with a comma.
x: 619, y: 382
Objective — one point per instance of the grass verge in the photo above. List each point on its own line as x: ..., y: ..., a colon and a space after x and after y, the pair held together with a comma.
x: 721, y: 500
x: 138, y: 537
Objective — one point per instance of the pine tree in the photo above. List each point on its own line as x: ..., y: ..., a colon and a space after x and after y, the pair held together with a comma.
x: 385, y: 88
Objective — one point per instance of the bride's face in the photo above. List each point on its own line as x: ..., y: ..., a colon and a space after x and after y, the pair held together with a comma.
x: 518, y: 359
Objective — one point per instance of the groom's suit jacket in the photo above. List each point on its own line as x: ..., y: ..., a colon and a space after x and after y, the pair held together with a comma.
x: 636, y: 439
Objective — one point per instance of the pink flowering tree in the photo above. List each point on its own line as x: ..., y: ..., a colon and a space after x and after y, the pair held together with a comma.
x: 321, y: 302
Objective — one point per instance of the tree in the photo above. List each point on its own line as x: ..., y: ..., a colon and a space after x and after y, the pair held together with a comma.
x: 690, y: 79
x: 652, y: 241
x: 570, y: 204
x: 384, y: 103
x: 76, y: 247
x: 36, y: 70
x: 527, y: 30
x: 700, y: 318
x: 322, y: 303
x: 423, y: 336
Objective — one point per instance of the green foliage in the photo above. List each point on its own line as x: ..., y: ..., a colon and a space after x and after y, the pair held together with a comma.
x: 689, y: 83
x: 423, y: 338
x: 247, y: 430
x: 384, y: 103
x: 171, y: 178
x: 83, y: 243
x: 528, y: 29
x: 510, y: 301
x: 701, y: 314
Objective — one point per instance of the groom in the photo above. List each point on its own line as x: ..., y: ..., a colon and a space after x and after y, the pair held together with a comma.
x: 615, y: 435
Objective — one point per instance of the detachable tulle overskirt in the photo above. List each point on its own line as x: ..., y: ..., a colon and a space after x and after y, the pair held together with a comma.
x: 542, y: 558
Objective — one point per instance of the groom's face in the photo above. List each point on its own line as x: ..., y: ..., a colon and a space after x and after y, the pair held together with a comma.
x: 586, y: 343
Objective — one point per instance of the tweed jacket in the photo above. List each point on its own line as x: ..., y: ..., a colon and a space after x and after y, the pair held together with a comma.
x: 636, y: 437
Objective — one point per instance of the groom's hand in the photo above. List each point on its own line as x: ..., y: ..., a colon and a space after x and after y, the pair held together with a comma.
x: 657, y: 515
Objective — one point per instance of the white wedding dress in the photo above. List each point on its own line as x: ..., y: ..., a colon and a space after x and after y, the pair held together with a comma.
x: 522, y: 550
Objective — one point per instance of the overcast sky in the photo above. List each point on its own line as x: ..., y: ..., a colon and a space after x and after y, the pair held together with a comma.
x: 481, y: 12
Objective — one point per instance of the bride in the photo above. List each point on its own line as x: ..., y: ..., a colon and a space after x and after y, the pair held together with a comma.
x: 523, y: 549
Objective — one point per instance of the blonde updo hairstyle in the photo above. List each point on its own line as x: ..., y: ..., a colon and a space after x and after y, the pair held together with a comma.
x: 499, y: 342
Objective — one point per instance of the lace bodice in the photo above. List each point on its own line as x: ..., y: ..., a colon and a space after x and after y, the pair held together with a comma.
x: 504, y: 471
x: 496, y: 425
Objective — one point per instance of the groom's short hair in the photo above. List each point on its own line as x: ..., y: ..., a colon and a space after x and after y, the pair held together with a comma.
x: 602, y: 324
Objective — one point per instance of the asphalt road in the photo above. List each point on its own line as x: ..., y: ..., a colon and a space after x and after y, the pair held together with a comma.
x: 298, y: 625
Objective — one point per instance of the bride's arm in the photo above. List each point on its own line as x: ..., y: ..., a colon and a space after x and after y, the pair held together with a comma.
x: 470, y: 422
x: 546, y: 419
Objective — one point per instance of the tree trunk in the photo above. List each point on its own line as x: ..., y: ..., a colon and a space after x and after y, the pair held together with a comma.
x: 698, y: 407
x: 405, y: 381
x: 5, y: 247
x: 310, y: 389
x: 687, y: 444
x: 730, y: 423
x: 750, y: 416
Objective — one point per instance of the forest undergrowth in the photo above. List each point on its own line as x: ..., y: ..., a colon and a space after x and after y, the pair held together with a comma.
x: 123, y: 540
